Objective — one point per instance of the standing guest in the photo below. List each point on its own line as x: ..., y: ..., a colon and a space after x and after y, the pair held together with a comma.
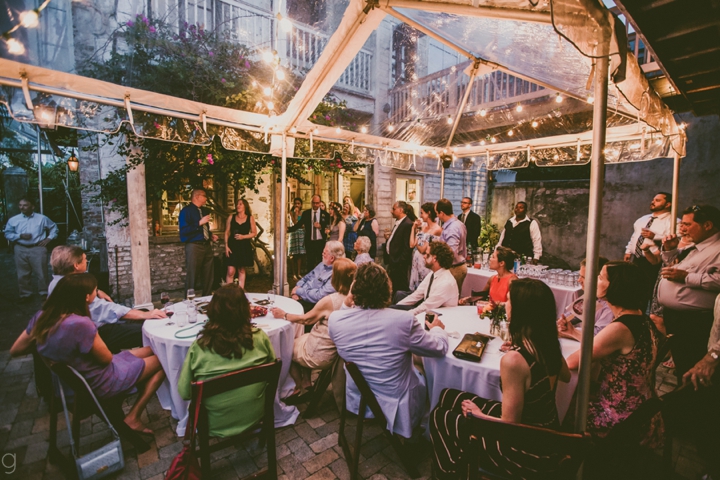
x: 63, y: 332
x: 529, y: 374
x: 410, y: 212
x: 368, y: 227
x: 336, y: 229
x: 439, y: 289
x: 522, y: 234
x: 625, y: 352
x: 689, y: 286
x: 497, y: 288
x: 353, y: 210
x: 425, y: 230
x: 239, y: 232
x: 119, y: 327
x: 30, y: 234
x: 228, y: 343
x: 316, y: 285
x: 195, y: 233
x: 315, y: 350
x: 314, y: 222
x: 297, y: 240
x: 471, y: 221
x: 350, y: 235
x: 362, y: 247
x: 397, y: 252
x: 455, y: 235
x: 603, y: 314
x: 648, y: 230
x: 322, y: 206
x: 381, y: 341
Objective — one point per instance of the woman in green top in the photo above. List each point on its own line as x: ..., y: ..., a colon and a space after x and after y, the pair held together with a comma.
x: 228, y: 343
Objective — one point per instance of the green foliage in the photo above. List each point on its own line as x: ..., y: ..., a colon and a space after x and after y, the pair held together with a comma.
x: 489, y: 236
x: 206, y: 67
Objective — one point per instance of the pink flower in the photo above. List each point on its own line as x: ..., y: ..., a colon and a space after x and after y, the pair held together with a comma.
x: 272, y: 162
x: 222, y: 80
x: 157, y: 125
x: 209, y: 156
x: 152, y: 29
x: 327, y: 117
x: 247, y: 64
x: 145, y: 20
x: 211, y: 54
x: 199, y: 161
x: 129, y: 24
x: 211, y: 161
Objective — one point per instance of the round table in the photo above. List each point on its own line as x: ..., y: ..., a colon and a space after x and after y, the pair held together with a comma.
x: 477, y: 278
x: 481, y: 378
x: 171, y: 352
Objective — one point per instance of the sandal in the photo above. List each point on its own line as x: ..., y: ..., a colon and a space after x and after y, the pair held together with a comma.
x: 669, y: 363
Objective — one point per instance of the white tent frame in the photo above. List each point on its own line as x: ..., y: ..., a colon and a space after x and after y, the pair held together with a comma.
x: 360, y: 20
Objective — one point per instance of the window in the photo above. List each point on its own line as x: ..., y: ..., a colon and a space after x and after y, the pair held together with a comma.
x: 166, y: 212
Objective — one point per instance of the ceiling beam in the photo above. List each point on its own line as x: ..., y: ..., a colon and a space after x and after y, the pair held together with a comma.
x: 688, y: 29
x: 496, y: 13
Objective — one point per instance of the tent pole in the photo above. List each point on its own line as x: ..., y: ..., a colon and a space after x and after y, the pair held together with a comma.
x: 597, y: 181
x: 456, y: 122
x: 675, y: 192
x: 280, y: 285
x: 39, y: 156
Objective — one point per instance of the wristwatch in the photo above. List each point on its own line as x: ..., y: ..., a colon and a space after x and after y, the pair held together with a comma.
x: 714, y: 355
x: 285, y: 317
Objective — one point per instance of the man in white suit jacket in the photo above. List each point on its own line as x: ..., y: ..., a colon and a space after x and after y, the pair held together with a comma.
x: 381, y: 341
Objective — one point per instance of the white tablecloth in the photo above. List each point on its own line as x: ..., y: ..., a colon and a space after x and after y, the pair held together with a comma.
x: 172, y: 351
x: 477, y: 279
x: 482, y: 378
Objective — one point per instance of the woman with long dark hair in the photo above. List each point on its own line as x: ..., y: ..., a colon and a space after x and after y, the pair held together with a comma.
x: 228, y: 343
x: 368, y: 227
x: 425, y: 230
x: 529, y: 374
x: 63, y: 332
x: 337, y: 226
x: 239, y: 231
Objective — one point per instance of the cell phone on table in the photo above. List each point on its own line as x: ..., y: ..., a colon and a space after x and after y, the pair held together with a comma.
x: 429, y: 317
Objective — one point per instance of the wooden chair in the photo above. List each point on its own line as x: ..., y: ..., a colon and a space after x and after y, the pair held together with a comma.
x: 319, y: 388
x: 264, y: 430
x: 569, y: 449
x: 367, y: 399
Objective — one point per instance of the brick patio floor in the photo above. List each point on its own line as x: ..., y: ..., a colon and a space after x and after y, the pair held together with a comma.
x: 308, y: 449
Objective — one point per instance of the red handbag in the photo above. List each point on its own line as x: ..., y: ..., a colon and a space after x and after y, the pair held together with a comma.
x: 185, y: 465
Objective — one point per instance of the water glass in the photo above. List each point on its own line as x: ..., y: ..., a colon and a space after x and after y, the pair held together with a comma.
x: 191, y: 294
x: 181, y: 318
x: 192, y: 314
x: 271, y: 297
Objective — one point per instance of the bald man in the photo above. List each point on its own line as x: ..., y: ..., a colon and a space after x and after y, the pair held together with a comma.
x: 314, y: 222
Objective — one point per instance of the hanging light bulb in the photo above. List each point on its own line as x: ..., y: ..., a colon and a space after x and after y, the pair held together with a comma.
x: 519, y: 108
x: 511, y: 133
x: 338, y: 130
x: 285, y: 23
x: 254, y: 83
x: 316, y: 131
x: 590, y: 99
x: 493, y: 140
x: 449, y: 120
x: 280, y: 74
x: 15, y: 47
x: 483, y: 112
x: 559, y: 98
x: 29, y: 19
x: 271, y: 105
x: 363, y: 129
x: 267, y: 91
x: 534, y: 124
x: 390, y: 127
x: 482, y: 142
x: 293, y: 130
x: 268, y: 56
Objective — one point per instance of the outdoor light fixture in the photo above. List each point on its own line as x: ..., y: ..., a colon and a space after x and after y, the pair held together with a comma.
x: 73, y: 162
x: 559, y: 98
x: 483, y: 112
x: 446, y: 160
x: 518, y: 108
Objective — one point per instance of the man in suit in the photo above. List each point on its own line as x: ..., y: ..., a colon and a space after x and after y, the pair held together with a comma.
x: 397, y: 252
x: 314, y: 222
x: 194, y: 222
x: 471, y: 221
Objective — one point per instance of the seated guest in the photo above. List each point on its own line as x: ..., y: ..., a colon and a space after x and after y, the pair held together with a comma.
x: 315, y: 350
x: 63, y: 332
x: 624, y: 351
x: 497, y: 288
x: 316, y: 285
x: 439, y: 289
x: 362, y: 247
x: 603, y: 314
x: 381, y: 342
x: 228, y: 343
x: 529, y: 374
x: 120, y: 327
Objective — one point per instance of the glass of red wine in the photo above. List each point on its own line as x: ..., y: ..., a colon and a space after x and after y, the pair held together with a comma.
x: 169, y: 310
x: 164, y: 297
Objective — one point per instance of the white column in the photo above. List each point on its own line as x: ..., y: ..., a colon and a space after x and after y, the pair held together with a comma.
x: 139, y: 245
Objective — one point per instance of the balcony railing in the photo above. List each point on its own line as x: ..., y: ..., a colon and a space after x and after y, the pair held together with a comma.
x: 440, y: 93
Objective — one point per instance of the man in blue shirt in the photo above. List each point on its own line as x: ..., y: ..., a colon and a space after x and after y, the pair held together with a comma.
x: 30, y: 232
x: 454, y: 234
x: 195, y: 233
x: 316, y: 285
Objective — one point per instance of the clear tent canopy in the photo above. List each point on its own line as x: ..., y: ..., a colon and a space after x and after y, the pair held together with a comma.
x: 522, y: 94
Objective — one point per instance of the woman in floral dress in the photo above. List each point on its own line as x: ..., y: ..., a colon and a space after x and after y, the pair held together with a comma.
x: 424, y: 232
x: 625, y: 352
x: 296, y: 249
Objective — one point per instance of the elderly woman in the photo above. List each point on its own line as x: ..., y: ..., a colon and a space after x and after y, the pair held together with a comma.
x: 315, y: 350
x: 362, y: 247
x: 228, y: 343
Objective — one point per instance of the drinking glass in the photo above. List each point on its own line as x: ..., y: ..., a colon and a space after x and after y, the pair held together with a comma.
x: 169, y: 309
x: 164, y: 297
x: 181, y: 318
x: 271, y: 297
x: 192, y: 314
x: 191, y: 294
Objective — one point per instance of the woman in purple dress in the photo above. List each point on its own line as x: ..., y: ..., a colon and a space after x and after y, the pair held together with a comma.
x: 63, y: 332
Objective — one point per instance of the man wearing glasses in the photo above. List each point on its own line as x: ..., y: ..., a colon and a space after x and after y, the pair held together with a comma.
x: 314, y: 222
x: 471, y: 221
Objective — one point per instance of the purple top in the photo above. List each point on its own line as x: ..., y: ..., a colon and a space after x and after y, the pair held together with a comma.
x: 455, y: 235
x: 71, y: 341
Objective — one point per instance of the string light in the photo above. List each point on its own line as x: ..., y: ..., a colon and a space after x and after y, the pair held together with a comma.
x: 316, y: 131
x: 280, y: 74
x: 271, y: 105
x: 337, y: 130
x: 534, y: 124
x: 590, y: 99
x: 449, y: 120
x: 483, y: 112
x: 29, y: 19
x: 293, y: 130
x: 482, y: 142
x: 493, y: 140
x: 268, y: 56
x: 390, y: 127
x: 558, y: 98
x: 519, y: 108
x: 363, y: 129
x: 511, y: 133
x: 267, y: 91
x: 14, y: 47
x: 285, y: 23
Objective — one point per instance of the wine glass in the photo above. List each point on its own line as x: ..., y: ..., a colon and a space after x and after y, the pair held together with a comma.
x: 271, y: 297
x: 164, y: 298
x: 191, y: 294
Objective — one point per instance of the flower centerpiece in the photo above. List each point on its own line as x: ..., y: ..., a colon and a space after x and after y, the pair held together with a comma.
x: 498, y: 316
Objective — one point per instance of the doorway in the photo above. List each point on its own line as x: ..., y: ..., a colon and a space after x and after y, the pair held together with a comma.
x: 409, y: 190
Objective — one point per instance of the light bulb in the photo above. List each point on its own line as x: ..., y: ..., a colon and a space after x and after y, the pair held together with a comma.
x: 363, y: 129
x: 482, y: 142
x: 449, y: 120
x: 316, y: 131
x: 29, y: 19
x: 271, y: 105
x: 559, y: 98
x: 268, y: 56
x: 285, y: 24
x: 511, y: 133
x: 267, y: 91
x: 280, y: 74
x: 556, y: 157
x: 14, y: 47
x: 518, y: 108
x: 590, y: 99
x: 293, y: 130
x: 483, y: 112
x: 534, y: 124
x: 493, y: 140
x: 337, y: 130
x: 254, y: 83
x: 391, y: 127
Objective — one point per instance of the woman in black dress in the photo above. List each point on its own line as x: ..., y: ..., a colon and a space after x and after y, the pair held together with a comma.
x: 368, y: 227
x: 239, y: 232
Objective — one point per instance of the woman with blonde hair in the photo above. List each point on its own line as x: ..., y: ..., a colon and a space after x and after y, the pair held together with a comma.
x: 240, y: 229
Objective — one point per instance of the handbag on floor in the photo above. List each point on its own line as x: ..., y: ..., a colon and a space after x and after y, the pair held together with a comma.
x: 185, y: 465
x: 101, y: 462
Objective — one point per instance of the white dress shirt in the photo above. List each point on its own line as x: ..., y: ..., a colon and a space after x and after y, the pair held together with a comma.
x: 660, y: 227
x: 37, y: 225
x: 444, y: 293
x: 392, y: 234
x: 535, y: 235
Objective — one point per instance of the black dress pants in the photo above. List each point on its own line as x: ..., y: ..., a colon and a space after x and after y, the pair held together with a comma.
x: 199, y: 265
x: 314, y: 249
x: 122, y: 335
